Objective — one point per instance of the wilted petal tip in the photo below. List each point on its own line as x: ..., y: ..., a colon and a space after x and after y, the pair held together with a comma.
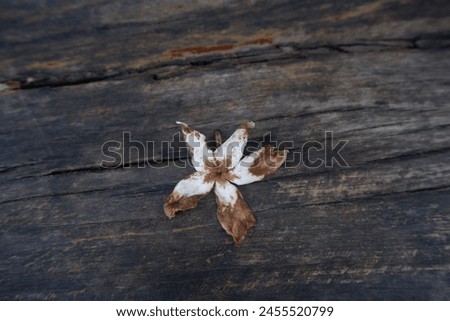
x: 233, y: 213
x: 248, y: 124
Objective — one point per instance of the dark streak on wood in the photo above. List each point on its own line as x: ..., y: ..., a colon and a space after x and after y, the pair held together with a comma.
x: 375, y: 73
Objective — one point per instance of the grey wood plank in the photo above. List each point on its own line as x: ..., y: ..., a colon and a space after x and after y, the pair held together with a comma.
x: 63, y: 43
x: 75, y: 75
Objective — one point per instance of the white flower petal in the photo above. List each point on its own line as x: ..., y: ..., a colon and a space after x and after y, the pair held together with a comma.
x: 233, y: 213
x: 232, y: 149
x: 187, y: 193
x: 257, y: 165
x: 196, y: 143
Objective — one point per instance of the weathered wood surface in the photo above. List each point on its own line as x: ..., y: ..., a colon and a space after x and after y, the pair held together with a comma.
x: 74, y: 75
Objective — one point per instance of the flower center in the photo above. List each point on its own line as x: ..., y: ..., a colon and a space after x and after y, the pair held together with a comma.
x: 218, y: 169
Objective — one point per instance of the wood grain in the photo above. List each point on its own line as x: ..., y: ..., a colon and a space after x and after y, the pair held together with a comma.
x: 76, y: 75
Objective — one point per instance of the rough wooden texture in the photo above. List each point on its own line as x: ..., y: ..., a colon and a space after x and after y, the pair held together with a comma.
x: 75, y: 74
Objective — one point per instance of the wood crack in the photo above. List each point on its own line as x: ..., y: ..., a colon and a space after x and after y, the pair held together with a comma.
x: 55, y: 195
x: 404, y: 156
x: 96, y: 168
x: 350, y: 200
x: 269, y: 53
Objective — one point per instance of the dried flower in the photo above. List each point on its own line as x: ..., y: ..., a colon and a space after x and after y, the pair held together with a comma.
x: 219, y: 169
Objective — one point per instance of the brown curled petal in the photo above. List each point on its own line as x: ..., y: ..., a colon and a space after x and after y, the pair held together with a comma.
x: 187, y: 193
x: 257, y: 165
x: 196, y: 143
x: 233, y: 213
x: 232, y: 149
